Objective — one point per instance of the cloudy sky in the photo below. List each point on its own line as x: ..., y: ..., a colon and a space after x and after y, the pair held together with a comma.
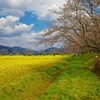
x: 23, y: 21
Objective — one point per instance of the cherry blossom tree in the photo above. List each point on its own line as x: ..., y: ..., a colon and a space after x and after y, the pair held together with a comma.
x: 77, y: 25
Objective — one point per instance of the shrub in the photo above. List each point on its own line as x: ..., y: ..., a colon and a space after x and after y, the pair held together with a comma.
x: 97, y: 65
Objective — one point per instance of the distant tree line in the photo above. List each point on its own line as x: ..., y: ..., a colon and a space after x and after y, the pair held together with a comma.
x: 16, y: 52
x: 28, y: 52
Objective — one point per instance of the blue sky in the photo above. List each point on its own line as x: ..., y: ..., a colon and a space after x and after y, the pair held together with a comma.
x: 30, y: 18
x: 22, y: 21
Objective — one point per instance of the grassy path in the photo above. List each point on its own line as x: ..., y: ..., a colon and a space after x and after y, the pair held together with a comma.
x: 77, y: 82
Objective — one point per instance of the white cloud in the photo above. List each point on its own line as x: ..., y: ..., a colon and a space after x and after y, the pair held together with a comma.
x: 24, y: 40
x: 17, y: 7
x: 14, y: 33
x: 10, y: 26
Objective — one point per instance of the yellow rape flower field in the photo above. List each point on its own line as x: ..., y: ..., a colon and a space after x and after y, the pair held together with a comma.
x: 26, y: 77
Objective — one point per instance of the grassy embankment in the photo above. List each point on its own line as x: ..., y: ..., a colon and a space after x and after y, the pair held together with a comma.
x: 77, y: 82
x: 49, y: 78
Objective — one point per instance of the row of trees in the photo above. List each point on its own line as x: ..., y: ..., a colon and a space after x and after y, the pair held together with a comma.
x: 15, y: 52
x: 77, y: 26
x: 28, y: 52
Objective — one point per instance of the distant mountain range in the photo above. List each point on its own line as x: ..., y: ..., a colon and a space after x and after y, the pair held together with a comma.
x: 10, y: 49
x: 21, y: 49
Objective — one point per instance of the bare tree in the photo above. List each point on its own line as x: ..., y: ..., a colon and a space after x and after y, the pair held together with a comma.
x: 14, y: 52
x: 54, y: 51
x: 28, y: 52
x: 41, y: 51
x: 77, y: 26
x: 4, y: 51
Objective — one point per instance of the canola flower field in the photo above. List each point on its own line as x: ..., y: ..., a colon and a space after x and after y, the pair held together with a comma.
x: 60, y: 77
x: 16, y: 75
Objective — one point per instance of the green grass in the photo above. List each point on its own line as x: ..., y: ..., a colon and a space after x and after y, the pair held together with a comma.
x: 69, y: 78
x: 77, y: 82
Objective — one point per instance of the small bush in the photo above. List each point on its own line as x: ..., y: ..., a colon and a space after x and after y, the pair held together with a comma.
x: 97, y: 65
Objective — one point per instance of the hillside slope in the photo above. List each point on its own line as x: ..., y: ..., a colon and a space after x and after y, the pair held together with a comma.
x: 77, y: 82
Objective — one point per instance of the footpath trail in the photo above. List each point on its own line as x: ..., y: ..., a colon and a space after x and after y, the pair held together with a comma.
x: 77, y: 82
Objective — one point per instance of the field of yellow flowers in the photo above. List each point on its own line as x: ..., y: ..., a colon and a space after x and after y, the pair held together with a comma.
x: 60, y: 77
x: 20, y: 75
